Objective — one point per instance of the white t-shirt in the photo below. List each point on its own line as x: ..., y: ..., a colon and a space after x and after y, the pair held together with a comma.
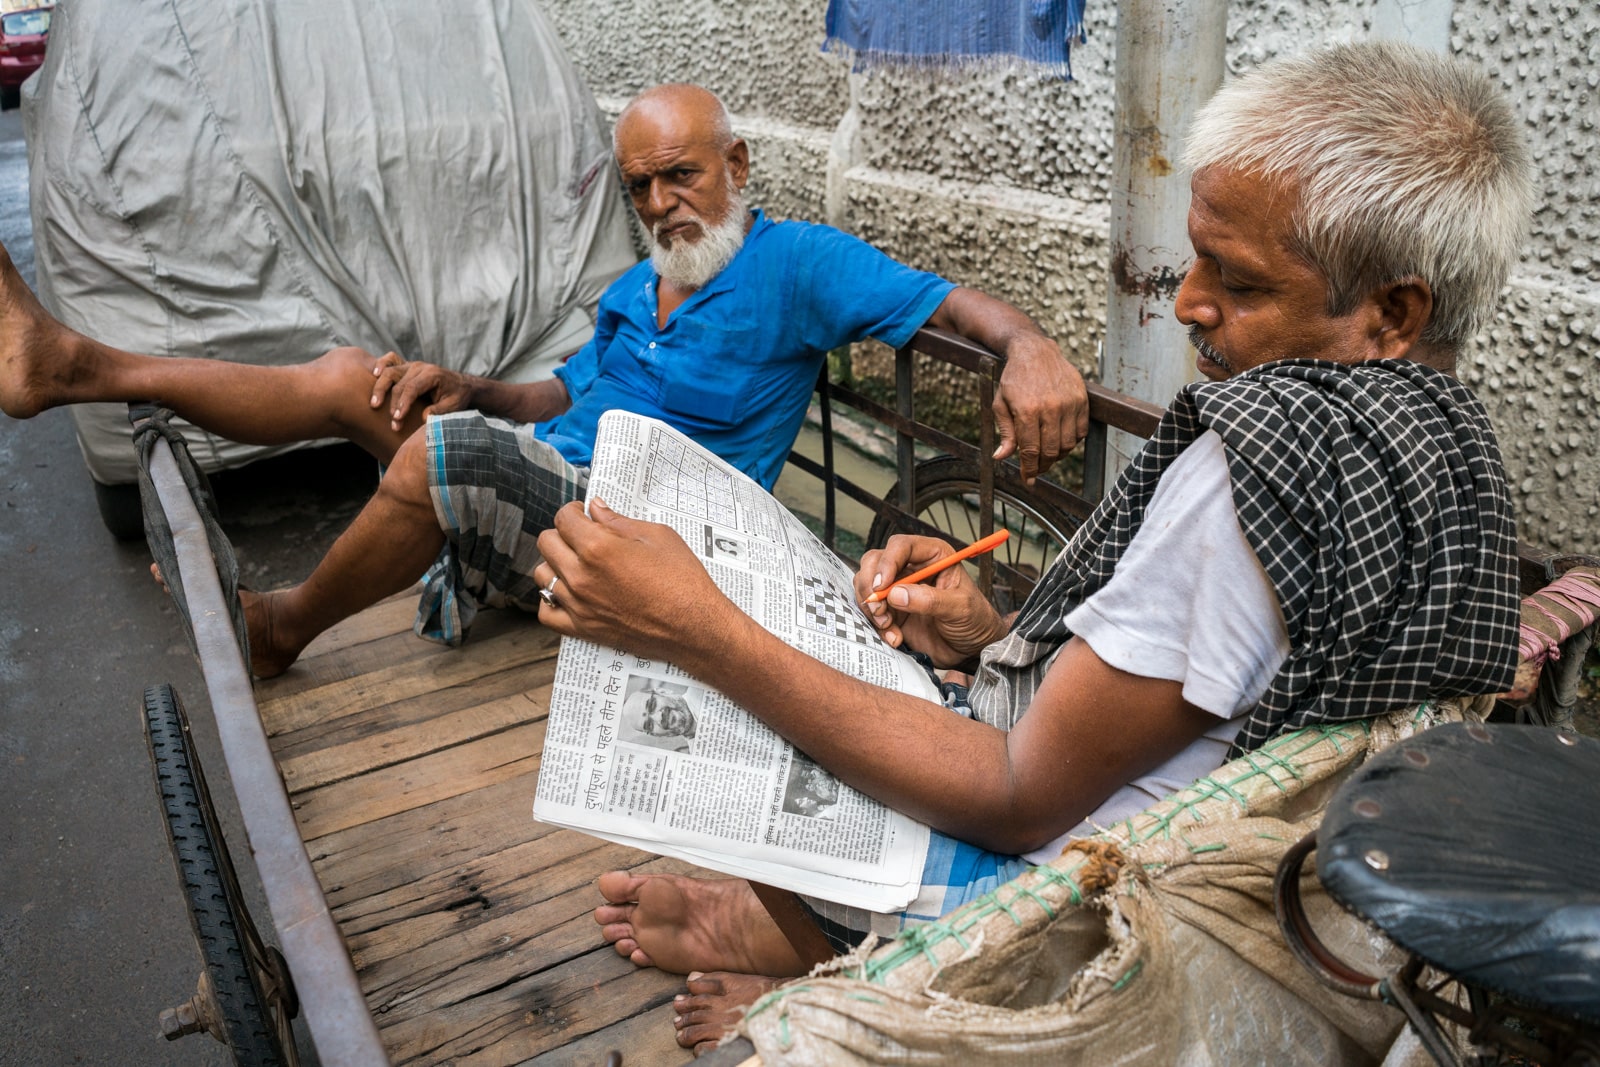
x: 1188, y: 602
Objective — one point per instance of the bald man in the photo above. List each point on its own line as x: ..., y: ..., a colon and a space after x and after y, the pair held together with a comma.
x: 720, y: 334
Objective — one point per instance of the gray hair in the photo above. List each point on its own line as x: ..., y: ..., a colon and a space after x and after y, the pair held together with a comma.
x: 722, y: 135
x: 1407, y: 164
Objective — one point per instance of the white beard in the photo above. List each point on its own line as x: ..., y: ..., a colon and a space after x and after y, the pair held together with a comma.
x: 693, y: 263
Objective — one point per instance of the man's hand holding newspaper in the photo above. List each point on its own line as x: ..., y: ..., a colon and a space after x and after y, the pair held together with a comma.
x: 640, y: 753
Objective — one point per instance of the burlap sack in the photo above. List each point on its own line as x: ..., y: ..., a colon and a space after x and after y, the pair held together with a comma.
x: 1153, y: 942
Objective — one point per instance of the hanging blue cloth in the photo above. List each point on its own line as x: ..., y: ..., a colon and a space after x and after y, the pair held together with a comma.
x: 955, y: 33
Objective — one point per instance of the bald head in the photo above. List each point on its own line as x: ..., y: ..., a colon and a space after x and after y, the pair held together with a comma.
x: 693, y: 111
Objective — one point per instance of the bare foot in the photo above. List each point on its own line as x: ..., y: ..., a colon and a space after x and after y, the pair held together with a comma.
x: 713, y: 1005
x: 267, y: 659
x: 37, y: 357
x: 684, y: 924
x: 270, y: 655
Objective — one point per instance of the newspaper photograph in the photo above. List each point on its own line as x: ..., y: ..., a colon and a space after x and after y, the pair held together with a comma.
x: 640, y: 753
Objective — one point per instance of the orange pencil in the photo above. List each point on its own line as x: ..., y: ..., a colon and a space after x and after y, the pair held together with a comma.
x: 977, y: 548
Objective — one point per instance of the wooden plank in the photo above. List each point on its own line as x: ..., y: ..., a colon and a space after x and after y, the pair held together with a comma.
x: 421, y: 781
x: 365, y: 859
x: 381, y: 651
x: 398, y: 667
x: 490, y: 936
x: 397, y: 919
x: 323, y: 659
x: 647, y: 1039
x: 392, y: 615
x: 539, y: 1015
x: 522, y: 674
x: 412, y: 730
x: 384, y: 643
x: 390, y: 677
x: 490, y: 911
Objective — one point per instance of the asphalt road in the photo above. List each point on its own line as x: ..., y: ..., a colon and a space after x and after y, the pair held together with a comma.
x: 94, y: 935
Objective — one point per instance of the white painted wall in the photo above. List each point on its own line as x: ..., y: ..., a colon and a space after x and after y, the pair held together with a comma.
x: 1001, y: 179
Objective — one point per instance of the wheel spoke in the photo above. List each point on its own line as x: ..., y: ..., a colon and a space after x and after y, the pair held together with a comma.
x: 946, y: 497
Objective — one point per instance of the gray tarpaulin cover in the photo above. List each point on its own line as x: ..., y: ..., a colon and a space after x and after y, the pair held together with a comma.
x: 262, y: 180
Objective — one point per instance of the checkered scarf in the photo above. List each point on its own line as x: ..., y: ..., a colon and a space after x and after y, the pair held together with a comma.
x: 1375, y: 499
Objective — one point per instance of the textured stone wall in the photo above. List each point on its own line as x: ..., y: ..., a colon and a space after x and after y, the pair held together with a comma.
x: 1000, y: 179
x: 1538, y: 367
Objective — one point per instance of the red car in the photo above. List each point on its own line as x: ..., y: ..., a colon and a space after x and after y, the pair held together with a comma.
x: 22, y: 37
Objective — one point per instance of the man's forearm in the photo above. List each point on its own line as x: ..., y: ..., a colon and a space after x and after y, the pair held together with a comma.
x: 1042, y: 406
x: 993, y: 323
x: 520, y: 402
x: 888, y: 744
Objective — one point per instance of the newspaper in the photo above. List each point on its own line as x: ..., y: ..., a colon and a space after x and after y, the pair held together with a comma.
x: 638, y: 752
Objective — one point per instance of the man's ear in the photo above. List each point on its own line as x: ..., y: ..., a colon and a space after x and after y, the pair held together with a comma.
x: 1401, y: 311
x: 738, y: 158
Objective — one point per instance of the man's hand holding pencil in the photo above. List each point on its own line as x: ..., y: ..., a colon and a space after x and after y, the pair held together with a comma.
x: 948, y: 618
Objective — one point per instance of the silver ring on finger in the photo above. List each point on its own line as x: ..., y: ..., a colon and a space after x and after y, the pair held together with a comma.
x: 548, y: 593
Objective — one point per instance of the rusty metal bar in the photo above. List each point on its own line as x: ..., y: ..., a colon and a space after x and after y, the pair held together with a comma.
x: 987, y: 379
x: 1106, y: 408
x: 1138, y: 417
x: 1094, y: 462
x: 331, y: 1002
x: 905, y: 449
x: 829, y: 497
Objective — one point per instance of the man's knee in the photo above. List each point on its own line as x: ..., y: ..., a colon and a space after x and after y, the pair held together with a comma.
x: 405, y: 480
x: 346, y: 366
x: 341, y: 385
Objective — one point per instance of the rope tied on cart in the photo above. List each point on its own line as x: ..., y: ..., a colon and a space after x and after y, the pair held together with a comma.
x: 152, y: 425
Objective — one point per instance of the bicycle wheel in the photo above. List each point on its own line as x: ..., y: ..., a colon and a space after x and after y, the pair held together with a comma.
x: 945, y: 503
x: 246, y: 998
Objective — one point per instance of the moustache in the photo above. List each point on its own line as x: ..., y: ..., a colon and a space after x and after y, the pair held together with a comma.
x: 679, y: 219
x: 1207, y: 349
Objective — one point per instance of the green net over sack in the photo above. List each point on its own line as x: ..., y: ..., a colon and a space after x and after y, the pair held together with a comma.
x: 1152, y: 942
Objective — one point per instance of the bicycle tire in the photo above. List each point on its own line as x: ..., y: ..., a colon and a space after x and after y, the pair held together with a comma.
x: 257, y: 1019
x: 945, y: 500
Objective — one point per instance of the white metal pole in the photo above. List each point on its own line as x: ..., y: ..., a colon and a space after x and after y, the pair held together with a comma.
x: 1169, y: 62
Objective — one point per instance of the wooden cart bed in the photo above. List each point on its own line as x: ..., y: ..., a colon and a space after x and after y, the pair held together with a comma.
x: 411, y: 769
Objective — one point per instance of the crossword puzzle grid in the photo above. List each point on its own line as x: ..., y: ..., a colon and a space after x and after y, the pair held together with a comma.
x: 828, y: 612
x: 686, y: 482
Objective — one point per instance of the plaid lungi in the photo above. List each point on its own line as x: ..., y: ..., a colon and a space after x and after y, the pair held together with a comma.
x: 495, y: 488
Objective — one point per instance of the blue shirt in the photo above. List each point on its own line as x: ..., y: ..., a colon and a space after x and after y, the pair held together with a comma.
x: 735, y: 365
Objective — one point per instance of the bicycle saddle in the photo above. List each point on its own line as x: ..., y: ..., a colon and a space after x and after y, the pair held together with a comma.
x: 1477, y: 849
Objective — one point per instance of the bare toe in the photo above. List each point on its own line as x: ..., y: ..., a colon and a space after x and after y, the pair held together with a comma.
x: 619, y: 887
x: 629, y: 949
x: 713, y: 1006
x: 698, y: 1034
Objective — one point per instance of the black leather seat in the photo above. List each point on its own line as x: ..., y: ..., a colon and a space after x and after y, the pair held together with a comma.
x: 1477, y: 848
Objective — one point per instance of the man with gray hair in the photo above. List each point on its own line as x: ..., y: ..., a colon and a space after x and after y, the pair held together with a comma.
x: 1320, y: 533
x: 720, y: 333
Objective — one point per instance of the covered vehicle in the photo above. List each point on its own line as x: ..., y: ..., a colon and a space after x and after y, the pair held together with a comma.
x: 262, y: 181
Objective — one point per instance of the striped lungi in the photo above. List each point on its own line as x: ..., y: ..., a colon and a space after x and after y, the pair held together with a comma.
x: 955, y: 873
x: 495, y: 488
